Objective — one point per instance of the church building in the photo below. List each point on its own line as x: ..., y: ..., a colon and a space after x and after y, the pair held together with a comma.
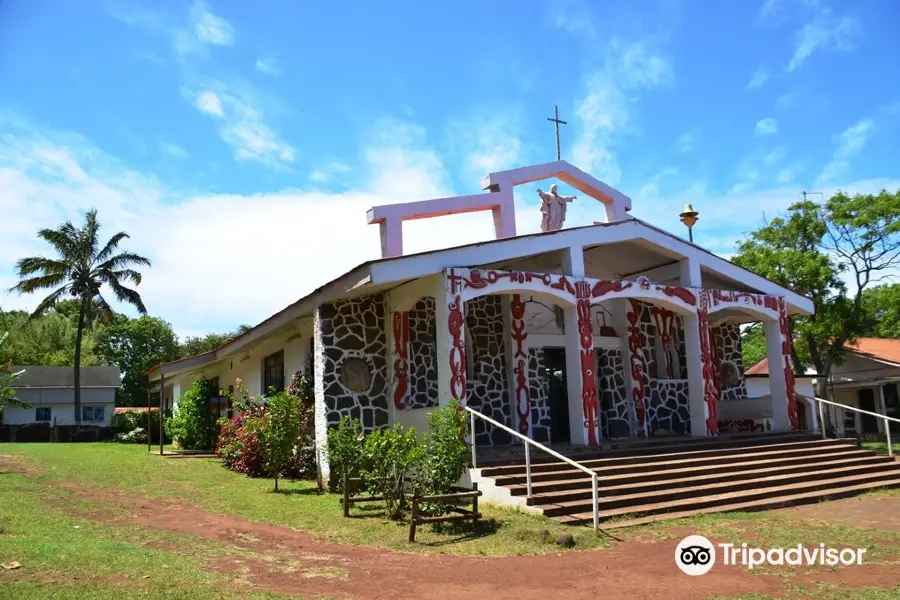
x: 571, y: 337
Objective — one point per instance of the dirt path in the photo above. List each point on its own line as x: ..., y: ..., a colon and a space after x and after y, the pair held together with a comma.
x: 284, y: 560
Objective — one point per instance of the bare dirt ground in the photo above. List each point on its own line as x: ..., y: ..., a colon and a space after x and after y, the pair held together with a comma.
x: 280, y: 559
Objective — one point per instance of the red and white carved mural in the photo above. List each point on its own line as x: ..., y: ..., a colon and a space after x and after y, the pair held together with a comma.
x: 784, y: 326
x: 710, y: 391
x: 636, y: 341
x: 745, y: 425
x: 520, y: 363
x: 665, y: 325
x: 589, y: 400
x: 456, y: 327
x: 401, y: 357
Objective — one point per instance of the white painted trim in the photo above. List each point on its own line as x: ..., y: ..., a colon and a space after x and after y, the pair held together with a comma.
x: 558, y: 340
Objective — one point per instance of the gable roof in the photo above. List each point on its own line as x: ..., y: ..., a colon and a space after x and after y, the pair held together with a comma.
x: 376, y: 275
x: 880, y: 349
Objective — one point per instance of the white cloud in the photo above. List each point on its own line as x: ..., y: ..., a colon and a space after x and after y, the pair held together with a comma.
x: 173, y: 149
x: 326, y: 172
x: 774, y: 156
x: 826, y: 31
x: 767, y: 126
x: 759, y: 77
x: 52, y: 177
x: 786, y: 100
x: 208, y: 103
x: 604, y: 111
x: 242, y: 125
x: 209, y: 28
x: 491, y: 141
x: 684, y: 143
x: 785, y: 175
x: 848, y: 143
x: 268, y: 66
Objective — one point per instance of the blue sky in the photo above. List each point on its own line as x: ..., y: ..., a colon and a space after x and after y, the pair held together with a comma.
x: 241, y: 143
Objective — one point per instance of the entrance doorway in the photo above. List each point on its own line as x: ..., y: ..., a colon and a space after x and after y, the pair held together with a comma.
x: 866, y: 399
x: 555, y: 372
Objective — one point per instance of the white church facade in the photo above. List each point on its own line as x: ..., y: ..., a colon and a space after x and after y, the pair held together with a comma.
x: 577, y: 336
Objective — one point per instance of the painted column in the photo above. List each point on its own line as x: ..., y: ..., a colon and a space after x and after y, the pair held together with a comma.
x: 696, y: 384
x: 450, y: 331
x: 581, y: 367
x: 620, y: 308
x: 635, y: 359
x: 785, y: 330
x: 398, y: 342
x: 320, y: 415
x: 517, y: 353
x: 777, y: 382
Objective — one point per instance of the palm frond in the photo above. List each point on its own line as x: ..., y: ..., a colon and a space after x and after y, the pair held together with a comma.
x: 124, y: 294
x: 128, y: 275
x: 107, y: 314
x: 123, y: 260
x: 34, y: 264
x: 63, y: 239
x: 48, y: 302
x: 91, y: 231
x: 110, y: 246
x: 41, y: 282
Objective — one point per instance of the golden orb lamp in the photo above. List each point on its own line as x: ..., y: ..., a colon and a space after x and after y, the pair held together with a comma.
x: 689, y: 216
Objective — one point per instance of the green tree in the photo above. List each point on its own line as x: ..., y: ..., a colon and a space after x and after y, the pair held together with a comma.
x: 7, y: 378
x: 193, y: 345
x: 280, y: 432
x: 881, y: 305
x: 80, y: 269
x: 137, y: 345
x: 815, y: 250
x: 46, y: 340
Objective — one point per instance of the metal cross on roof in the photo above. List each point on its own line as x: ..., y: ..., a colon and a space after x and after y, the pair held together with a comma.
x: 557, y: 122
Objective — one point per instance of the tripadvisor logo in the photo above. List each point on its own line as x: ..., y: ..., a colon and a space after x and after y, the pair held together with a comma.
x: 696, y: 555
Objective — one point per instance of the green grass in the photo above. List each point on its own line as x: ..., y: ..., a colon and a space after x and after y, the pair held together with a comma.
x: 207, y: 483
x: 71, y: 557
x: 882, y: 447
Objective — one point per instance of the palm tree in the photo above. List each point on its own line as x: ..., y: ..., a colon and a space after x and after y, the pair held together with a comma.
x: 80, y: 269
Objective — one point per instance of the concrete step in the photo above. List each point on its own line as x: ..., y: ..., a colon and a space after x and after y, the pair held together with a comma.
x: 757, y: 496
x: 574, y: 489
x: 716, y: 461
x: 768, y: 503
x: 558, y: 503
x: 643, y: 457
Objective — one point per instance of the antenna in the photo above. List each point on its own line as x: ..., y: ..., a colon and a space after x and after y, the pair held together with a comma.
x: 805, y: 193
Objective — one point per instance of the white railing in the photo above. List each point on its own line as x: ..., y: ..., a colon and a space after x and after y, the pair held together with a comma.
x: 887, y: 426
x: 528, y: 444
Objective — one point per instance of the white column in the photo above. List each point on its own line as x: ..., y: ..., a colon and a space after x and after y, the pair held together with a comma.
x: 882, y: 408
x: 320, y: 414
x: 573, y: 261
x: 777, y: 383
x: 690, y: 273
x: 450, y: 341
x: 696, y: 382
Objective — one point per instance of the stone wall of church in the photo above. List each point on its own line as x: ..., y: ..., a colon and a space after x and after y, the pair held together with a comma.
x: 487, y: 390
x: 351, y: 363
x: 615, y: 410
x: 423, y: 376
x: 669, y: 413
x: 539, y: 394
x: 727, y: 339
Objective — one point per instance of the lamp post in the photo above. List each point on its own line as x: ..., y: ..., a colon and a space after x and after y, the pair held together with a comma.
x: 689, y: 216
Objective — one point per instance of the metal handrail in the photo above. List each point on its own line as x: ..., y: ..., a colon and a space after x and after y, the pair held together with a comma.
x: 887, y: 428
x: 528, y: 443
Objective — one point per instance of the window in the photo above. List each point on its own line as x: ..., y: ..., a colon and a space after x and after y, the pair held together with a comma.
x: 93, y: 414
x: 42, y: 413
x: 273, y: 372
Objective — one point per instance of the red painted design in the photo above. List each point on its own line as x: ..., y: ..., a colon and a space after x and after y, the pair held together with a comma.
x: 683, y: 294
x: 665, y: 325
x: 517, y: 332
x: 788, y: 367
x: 745, y: 425
x: 455, y: 323
x: 589, y: 401
x: 636, y: 342
x: 730, y: 297
x: 401, y: 357
x: 710, y: 390
x: 608, y: 286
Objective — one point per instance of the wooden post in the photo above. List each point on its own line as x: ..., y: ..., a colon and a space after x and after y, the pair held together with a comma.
x: 149, y: 421
x: 413, y: 518
x: 475, y: 508
x: 346, y: 495
x: 162, y: 400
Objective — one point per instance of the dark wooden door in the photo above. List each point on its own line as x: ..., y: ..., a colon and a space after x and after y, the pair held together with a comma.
x: 555, y: 365
x: 867, y: 402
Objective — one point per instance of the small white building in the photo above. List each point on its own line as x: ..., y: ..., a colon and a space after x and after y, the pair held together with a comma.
x: 51, y: 393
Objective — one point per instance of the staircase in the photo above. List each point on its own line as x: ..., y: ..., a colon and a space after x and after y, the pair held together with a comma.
x: 688, y: 477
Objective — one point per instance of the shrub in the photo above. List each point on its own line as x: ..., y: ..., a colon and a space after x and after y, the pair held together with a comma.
x: 280, y: 433
x: 238, y: 446
x: 389, y: 456
x: 138, y: 435
x: 345, y: 451
x: 190, y: 425
x: 445, y: 453
x: 125, y: 422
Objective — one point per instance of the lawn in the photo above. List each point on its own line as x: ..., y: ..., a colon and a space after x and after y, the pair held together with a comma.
x: 881, y: 447
x: 76, y: 517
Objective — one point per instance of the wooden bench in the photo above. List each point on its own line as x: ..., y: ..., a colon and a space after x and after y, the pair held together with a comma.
x: 460, y: 513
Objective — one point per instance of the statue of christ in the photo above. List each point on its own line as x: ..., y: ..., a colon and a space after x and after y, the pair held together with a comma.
x: 553, y: 209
